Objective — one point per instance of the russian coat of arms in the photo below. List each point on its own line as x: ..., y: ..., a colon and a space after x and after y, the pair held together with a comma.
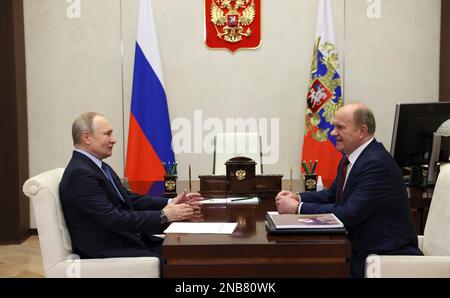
x: 232, y: 24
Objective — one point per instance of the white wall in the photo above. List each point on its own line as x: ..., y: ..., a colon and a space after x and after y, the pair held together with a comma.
x: 75, y: 65
x: 394, y: 59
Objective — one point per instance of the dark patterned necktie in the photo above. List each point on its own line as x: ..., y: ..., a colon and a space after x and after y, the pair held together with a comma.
x: 107, y: 172
x: 341, y: 180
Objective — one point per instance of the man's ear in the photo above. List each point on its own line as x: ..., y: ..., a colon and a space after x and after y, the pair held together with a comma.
x: 85, y: 137
x: 364, y: 131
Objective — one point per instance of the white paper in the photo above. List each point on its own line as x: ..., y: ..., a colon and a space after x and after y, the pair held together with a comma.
x: 202, y: 227
x: 243, y: 200
x: 232, y: 200
x: 214, y: 201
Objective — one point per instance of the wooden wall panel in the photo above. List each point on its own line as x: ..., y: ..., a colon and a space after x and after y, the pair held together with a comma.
x: 444, y: 77
x: 14, y: 206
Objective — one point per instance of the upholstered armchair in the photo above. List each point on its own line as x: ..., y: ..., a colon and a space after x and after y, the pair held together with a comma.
x: 435, y: 242
x: 54, y: 238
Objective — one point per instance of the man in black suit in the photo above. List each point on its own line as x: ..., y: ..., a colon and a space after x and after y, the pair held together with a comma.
x: 103, y: 218
x: 368, y: 195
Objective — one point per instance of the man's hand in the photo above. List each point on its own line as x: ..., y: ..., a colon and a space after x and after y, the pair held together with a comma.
x: 187, y: 198
x: 178, y: 212
x: 192, y: 199
x: 287, y: 202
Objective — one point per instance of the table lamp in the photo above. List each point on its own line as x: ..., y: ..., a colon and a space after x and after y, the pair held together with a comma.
x: 443, y: 131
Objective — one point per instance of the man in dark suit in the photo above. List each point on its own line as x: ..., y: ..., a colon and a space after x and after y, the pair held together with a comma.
x: 368, y: 195
x: 103, y: 218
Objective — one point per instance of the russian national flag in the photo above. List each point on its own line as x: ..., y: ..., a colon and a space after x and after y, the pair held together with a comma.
x: 323, y: 99
x: 149, y: 137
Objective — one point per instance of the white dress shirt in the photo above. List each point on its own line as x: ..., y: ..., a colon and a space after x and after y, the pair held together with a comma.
x: 352, y: 159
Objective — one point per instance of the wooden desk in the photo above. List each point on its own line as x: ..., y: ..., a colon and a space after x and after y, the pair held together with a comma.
x: 250, y: 252
x: 264, y: 186
x: 420, y: 200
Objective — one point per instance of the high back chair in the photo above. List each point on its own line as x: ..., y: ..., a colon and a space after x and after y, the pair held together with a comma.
x: 54, y: 238
x: 435, y: 242
x: 229, y: 145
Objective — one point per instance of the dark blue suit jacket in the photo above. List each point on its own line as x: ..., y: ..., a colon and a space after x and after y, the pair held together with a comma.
x: 101, y: 224
x: 374, y: 209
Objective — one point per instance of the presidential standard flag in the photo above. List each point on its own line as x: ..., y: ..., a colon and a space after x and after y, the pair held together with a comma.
x: 149, y: 137
x: 324, y: 98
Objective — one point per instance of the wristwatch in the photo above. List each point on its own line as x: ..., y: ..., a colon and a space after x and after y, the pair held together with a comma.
x: 163, y: 218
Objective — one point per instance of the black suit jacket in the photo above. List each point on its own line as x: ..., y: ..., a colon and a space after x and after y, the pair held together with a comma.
x: 100, y: 223
x: 374, y: 209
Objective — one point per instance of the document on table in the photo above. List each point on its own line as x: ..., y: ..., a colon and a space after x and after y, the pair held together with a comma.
x: 232, y: 200
x: 243, y: 200
x: 202, y: 227
x: 214, y: 201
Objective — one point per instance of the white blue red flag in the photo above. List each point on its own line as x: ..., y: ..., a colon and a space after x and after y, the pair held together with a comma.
x: 323, y: 99
x: 149, y: 137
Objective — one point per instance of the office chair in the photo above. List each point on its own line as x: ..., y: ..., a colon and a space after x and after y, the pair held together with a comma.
x: 55, y: 243
x: 229, y: 145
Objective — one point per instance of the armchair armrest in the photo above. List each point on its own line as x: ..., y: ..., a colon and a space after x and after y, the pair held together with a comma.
x: 420, y: 242
x: 138, y: 267
x: 407, y: 266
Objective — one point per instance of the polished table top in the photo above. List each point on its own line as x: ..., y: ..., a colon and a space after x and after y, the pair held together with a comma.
x: 250, y: 244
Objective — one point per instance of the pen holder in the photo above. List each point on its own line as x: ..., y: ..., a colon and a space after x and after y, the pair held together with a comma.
x: 310, y: 182
x: 170, y: 186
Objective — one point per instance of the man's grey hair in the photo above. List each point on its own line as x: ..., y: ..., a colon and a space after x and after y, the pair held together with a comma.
x: 84, y: 122
x: 364, y: 116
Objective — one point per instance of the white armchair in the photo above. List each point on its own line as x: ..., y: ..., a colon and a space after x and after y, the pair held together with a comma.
x: 229, y: 145
x: 435, y: 242
x: 54, y: 238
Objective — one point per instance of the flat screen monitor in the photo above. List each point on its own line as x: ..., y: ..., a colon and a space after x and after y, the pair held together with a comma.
x: 412, y: 138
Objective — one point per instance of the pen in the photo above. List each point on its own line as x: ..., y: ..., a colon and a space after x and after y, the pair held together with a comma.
x: 314, y: 167
x: 190, y: 181
x: 173, y: 170
x: 290, y: 180
x: 241, y: 199
x: 305, y: 167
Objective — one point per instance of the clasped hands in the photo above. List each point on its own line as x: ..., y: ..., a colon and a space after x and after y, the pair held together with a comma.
x: 185, y: 206
x: 287, y: 202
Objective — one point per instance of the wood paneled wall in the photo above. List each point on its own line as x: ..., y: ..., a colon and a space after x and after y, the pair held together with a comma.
x: 14, y: 206
x: 444, y: 77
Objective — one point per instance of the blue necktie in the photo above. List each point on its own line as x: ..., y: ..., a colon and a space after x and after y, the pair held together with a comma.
x: 107, y: 172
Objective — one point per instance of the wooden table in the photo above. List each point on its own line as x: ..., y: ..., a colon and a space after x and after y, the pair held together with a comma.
x: 420, y: 201
x: 250, y: 251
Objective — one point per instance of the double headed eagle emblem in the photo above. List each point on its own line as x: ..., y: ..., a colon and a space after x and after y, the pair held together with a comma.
x: 323, y: 93
x: 232, y: 21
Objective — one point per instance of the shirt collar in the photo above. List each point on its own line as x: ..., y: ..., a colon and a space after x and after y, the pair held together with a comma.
x: 355, y: 154
x: 94, y: 158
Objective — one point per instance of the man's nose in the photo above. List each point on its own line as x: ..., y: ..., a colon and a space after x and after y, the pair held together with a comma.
x: 113, y: 140
x: 333, y: 133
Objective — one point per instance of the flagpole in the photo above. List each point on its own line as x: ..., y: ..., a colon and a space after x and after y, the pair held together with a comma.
x: 123, y: 91
x: 344, y: 77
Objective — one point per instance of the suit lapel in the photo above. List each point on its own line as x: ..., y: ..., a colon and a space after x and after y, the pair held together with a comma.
x: 105, y: 180
x: 355, y: 169
x: 118, y: 184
